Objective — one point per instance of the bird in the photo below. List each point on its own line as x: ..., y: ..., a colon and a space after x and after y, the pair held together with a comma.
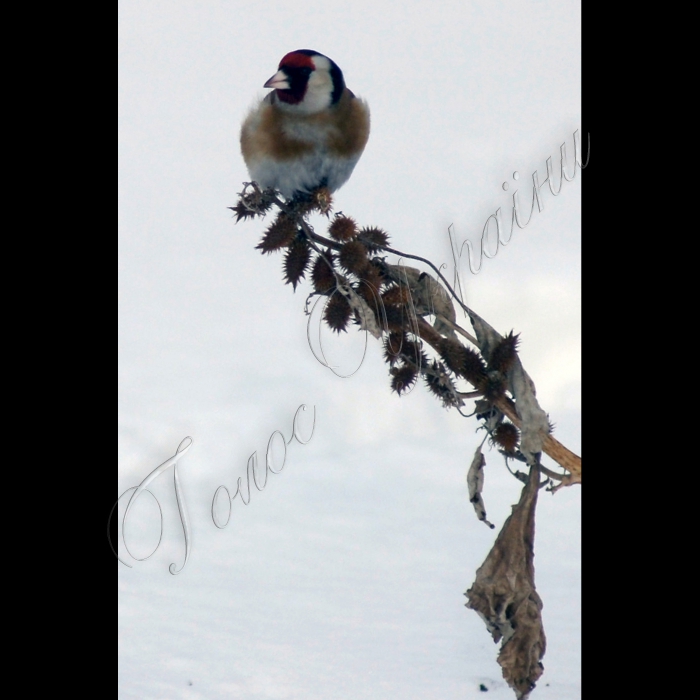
x: 309, y: 132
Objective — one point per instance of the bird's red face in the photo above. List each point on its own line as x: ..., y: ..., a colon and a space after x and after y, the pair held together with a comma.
x: 297, y: 59
x: 304, y: 71
x: 292, y: 78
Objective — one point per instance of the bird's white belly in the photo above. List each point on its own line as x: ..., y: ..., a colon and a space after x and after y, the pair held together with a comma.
x: 303, y: 174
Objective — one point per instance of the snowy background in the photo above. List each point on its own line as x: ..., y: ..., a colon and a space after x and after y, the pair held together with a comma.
x: 344, y: 578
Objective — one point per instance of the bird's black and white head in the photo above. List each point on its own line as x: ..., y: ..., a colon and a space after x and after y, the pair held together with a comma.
x: 307, y: 82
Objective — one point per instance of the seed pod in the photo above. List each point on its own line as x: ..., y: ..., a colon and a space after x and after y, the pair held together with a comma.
x: 296, y: 261
x: 342, y: 228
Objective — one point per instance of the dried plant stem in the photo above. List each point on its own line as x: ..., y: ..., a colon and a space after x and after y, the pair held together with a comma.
x: 563, y: 456
x: 460, y: 330
x: 550, y: 445
x: 350, y: 262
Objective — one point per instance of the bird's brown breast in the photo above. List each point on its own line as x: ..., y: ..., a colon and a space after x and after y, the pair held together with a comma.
x: 341, y: 130
x: 352, y: 121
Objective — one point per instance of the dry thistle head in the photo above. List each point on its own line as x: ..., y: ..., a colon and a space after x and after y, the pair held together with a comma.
x: 322, y: 275
x: 393, y: 346
x: 440, y: 384
x: 507, y: 436
x: 321, y: 201
x: 464, y: 362
x: 252, y: 202
x: 304, y: 203
x: 368, y: 287
x: 296, y: 261
x: 374, y: 238
x: 453, y: 354
x: 370, y: 296
x: 337, y: 313
x: 396, y: 296
x: 403, y: 378
x: 353, y: 257
x: 342, y: 228
x: 280, y: 234
x: 242, y: 211
x: 396, y: 318
x: 504, y: 354
x: 413, y: 352
x: 399, y: 346
x: 495, y: 386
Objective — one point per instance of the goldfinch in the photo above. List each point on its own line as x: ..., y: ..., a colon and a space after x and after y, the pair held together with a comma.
x: 309, y: 132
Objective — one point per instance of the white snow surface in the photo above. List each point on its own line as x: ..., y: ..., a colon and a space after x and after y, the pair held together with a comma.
x: 344, y: 578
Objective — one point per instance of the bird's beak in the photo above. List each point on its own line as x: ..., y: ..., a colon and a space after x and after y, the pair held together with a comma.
x: 279, y: 81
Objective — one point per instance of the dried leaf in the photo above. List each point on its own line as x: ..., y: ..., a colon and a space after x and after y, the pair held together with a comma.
x: 429, y: 296
x: 366, y: 318
x: 504, y: 595
x: 535, y: 423
x: 475, y: 483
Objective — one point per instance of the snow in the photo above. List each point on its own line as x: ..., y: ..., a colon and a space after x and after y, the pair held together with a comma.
x: 343, y: 578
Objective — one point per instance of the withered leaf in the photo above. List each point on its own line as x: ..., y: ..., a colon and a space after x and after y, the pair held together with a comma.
x: 535, y: 424
x: 504, y: 595
x: 475, y: 483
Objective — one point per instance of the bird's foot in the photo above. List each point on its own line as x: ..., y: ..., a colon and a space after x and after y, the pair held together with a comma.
x: 319, y: 200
